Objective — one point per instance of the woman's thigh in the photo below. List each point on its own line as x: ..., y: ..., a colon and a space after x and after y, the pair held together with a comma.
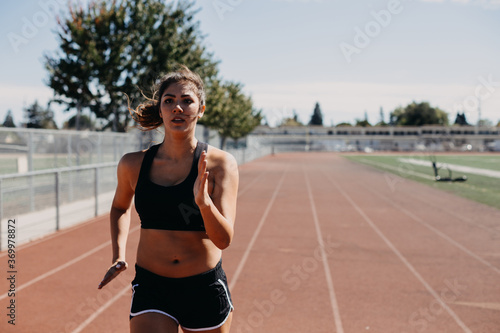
x: 153, y: 323
x: 223, y: 329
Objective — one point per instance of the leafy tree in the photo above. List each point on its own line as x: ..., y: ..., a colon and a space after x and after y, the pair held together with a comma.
x: 84, y: 123
x: 485, y: 122
x: 344, y: 124
x: 292, y: 121
x: 317, y: 116
x: 229, y: 111
x: 362, y: 123
x: 117, y: 47
x: 418, y: 114
x: 9, y: 120
x: 38, y: 117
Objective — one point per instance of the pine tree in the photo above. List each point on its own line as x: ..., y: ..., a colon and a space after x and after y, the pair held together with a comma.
x: 461, y: 120
x: 39, y: 117
x: 9, y: 120
x: 317, y: 116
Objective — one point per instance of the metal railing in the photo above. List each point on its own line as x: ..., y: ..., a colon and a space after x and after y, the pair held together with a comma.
x: 24, y: 150
x: 51, y: 180
x: 51, y: 199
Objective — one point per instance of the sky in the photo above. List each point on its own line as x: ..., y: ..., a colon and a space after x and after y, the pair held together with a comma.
x: 354, y: 58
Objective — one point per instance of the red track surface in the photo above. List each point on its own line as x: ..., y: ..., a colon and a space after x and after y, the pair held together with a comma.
x: 400, y: 257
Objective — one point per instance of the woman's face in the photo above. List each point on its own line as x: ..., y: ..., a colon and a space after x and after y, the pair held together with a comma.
x: 180, y: 106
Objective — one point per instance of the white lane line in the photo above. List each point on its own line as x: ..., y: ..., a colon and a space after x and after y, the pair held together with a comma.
x: 123, y: 291
x: 324, y: 259
x: 401, y: 257
x: 256, y: 233
x: 249, y: 186
x: 435, y: 230
x: 101, y: 310
x: 454, y: 214
x: 53, y: 235
x: 399, y: 171
x: 66, y: 265
x: 456, y: 167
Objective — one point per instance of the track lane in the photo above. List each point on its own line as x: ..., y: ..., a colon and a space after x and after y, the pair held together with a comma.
x: 251, y: 183
x: 442, y: 256
x: 369, y: 298
x: 282, y: 287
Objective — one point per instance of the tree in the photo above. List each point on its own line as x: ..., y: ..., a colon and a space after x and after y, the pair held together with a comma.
x: 292, y: 121
x: 418, y: 114
x: 382, y: 118
x: 117, y: 47
x: 317, y: 116
x: 38, y: 117
x: 485, y: 123
x: 9, y: 120
x: 344, y: 124
x: 362, y: 123
x: 229, y: 111
x: 460, y: 120
x: 84, y: 123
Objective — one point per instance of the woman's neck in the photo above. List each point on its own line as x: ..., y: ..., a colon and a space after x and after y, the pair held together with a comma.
x: 176, y: 148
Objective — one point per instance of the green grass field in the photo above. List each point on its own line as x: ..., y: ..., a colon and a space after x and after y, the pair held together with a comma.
x: 483, y: 189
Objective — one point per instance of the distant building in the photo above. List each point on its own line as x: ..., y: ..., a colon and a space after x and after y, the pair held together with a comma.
x: 431, y: 138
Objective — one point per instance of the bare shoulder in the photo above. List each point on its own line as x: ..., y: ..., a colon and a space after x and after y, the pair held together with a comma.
x: 129, y: 167
x: 131, y: 162
x: 220, y: 159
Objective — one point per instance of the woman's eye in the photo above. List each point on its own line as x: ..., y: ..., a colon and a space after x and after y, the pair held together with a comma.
x: 167, y: 101
x: 188, y: 101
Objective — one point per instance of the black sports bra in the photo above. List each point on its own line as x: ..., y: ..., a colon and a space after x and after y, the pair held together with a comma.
x: 168, y: 207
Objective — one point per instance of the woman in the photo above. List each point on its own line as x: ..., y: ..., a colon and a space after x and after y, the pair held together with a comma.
x: 185, y: 194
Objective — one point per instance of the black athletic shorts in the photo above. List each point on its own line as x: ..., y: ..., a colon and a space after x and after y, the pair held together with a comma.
x: 200, y: 302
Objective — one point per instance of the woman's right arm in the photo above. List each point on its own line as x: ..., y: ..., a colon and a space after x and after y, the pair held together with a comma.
x: 127, y: 172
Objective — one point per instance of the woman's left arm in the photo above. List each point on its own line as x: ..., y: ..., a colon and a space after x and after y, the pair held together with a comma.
x: 217, y: 207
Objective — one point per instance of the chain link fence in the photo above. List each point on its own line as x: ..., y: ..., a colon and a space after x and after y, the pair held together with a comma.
x: 27, y: 150
x: 50, y: 180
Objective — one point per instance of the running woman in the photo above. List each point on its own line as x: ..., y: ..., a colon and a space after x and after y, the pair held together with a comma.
x: 185, y: 194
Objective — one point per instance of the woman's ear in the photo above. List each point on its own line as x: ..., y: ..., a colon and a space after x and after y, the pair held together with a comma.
x: 202, y: 111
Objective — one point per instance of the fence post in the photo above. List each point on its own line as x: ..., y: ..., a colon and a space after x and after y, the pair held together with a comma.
x: 58, y: 198
x: 99, y: 148
x: 96, y: 191
x: 31, y: 168
x: 30, y: 151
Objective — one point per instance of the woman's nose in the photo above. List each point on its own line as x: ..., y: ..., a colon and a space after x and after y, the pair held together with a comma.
x: 177, y: 108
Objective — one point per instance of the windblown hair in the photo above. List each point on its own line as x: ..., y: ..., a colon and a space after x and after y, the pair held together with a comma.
x: 147, y: 114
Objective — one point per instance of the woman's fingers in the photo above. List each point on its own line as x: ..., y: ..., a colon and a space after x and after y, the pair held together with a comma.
x: 202, y: 164
x: 112, y: 272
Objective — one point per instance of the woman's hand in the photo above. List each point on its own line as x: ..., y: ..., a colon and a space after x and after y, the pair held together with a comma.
x: 200, y: 190
x: 113, y: 272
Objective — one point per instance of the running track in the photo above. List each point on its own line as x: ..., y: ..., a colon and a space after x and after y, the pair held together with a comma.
x: 321, y: 245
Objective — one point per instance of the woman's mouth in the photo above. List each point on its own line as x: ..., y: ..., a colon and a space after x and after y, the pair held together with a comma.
x: 178, y: 120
